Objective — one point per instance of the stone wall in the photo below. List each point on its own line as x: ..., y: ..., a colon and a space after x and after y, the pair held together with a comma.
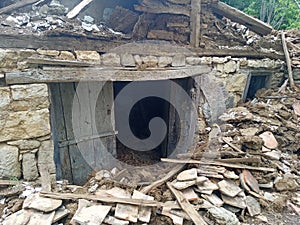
x: 25, y: 134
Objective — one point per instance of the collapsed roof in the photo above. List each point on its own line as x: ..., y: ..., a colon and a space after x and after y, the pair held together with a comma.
x: 102, y: 25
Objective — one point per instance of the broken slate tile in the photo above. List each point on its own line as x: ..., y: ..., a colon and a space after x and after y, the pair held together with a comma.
x: 118, y: 193
x: 127, y: 212
x: 276, y: 155
x: 214, y: 199
x: 222, y: 216
x: 144, y: 212
x: 230, y: 175
x: 189, y: 194
x: 61, y: 213
x: 207, y: 187
x: 114, y: 221
x: 251, y: 181
x: 29, y: 217
x: 253, y: 206
x: 296, y: 107
x: 90, y: 215
x: 238, y: 202
x: 177, y: 220
x: 229, y: 188
x: 187, y: 175
x: 269, y: 140
x: 36, y: 202
x: 81, y: 204
x: 181, y: 185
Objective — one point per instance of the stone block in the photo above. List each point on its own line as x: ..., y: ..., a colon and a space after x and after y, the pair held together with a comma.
x: 220, y: 60
x: 127, y: 60
x: 52, y: 53
x: 65, y: 55
x: 178, y: 61
x: 164, y: 61
x: 29, y: 167
x: 25, y: 144
x: 46, y: 155
x: 230, y: 67
x: 206, y: 60
x: 9, y: 163
x: 138, y: 59
x: 111, y: 59
x: 192, y: 60
x: 24, y: 125
x: 236, y: 83
x: 29, y: 97
x: 88, y: 56
x: 4, y: 98
x: 150, y: 61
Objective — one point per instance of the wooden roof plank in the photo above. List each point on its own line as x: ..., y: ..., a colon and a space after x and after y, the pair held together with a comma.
x: 242, y: 18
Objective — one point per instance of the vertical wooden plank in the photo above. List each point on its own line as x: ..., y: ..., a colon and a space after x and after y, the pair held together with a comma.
x: 80, y: 168
x: 195, y: 23
x: 62, y: 157
x: 104, y: 122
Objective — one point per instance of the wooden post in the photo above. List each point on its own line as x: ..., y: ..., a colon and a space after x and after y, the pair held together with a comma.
x: 288, y: 60
x: 195, y: 23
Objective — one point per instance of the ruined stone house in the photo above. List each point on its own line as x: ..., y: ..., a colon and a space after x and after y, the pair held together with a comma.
x: 217, y: 54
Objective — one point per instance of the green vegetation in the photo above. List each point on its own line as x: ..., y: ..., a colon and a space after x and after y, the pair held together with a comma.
x: 281, y: 14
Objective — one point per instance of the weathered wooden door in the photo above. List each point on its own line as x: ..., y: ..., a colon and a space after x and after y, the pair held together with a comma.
x: 83, y: 128
x: 181, y: 118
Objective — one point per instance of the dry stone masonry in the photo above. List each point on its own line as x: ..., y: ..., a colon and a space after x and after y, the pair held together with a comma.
x: 25, y: 140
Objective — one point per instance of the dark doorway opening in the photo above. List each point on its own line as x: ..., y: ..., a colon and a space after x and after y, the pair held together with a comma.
x: 141, y: 114
x: 256, y: 81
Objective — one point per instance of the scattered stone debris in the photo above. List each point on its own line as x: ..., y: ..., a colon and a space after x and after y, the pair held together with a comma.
x: 221, y: 192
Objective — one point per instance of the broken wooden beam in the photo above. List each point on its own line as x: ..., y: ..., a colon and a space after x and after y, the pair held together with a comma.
x: 77, y: 9
x: 195, y: 23
x: 17, y: 5
x: 76, y: 74
x: 130, y: 201
x: 158, y: 7
x: 186, y: 206
x: 214, y: 163
x: 9, y: 182
x: 240, y: 17
x: 288, y: 60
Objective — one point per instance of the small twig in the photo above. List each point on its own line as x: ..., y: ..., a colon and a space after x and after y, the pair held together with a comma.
x: 283, y: 86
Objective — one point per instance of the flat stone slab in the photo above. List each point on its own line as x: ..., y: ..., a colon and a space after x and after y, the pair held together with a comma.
x: 269, y: 140
x: 144, y: 212
x: 127, y: 212
x: 207, y: 187
x: 187, y: 175
x: 214, y: 199
x: 181, y: 185
x: 251, y: 181
x: 222, y: 216
x: 238, y: 202
x: 253, y: 206
x: 229, y: 188
x: 89, y: 215
x: 29, y: 217
x: 46, y: 205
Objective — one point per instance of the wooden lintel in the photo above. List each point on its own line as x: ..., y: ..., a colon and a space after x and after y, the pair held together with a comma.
x: 249, y: 54
x: 75, y: 74
x: 158, y: 7
x: 195, y: 23
x: 240, y: 17
x: 67, y: 43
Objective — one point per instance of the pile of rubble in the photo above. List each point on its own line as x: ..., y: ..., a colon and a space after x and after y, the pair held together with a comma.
x: 50, y: 19
x: 248, y: 170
